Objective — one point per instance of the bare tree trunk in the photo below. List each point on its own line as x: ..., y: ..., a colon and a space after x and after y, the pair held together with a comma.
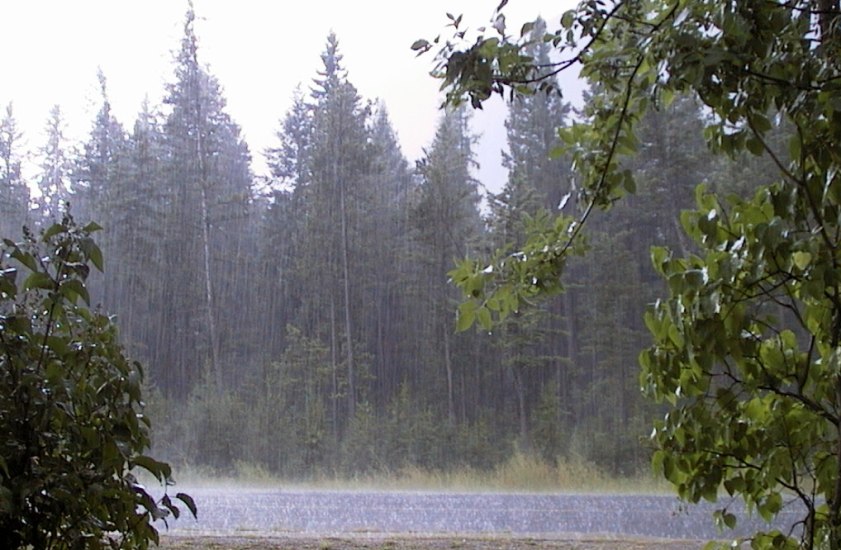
x: 448, y: 364
x: 348, y: 323
x: 564, y: 377
x: 519, y: 386
x: 210, y: 299
x: 334, y: 363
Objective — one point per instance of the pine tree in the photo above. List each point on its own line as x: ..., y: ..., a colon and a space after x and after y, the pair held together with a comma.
x: 283, y: 225
x: 96, y: 171
x: 54, y: 178
x: 97, y: 179
x: 208, y: 193
x: 538, y: 346
x: 385, y: 261
x: 533, y: 157
x: 340, y: 161
x: 14, y: 193
x: 135, y: 227
x: 446, y: 225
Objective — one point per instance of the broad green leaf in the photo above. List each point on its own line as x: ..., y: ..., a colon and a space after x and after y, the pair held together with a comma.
x: 188, y: 502
x: 567, y: 19
x: 25, y: 258
x: 53, y: 230
x: 40, y: 280
x: 802, y: 259
x: 93, y: 252
x: 92, y: 227
x: 466, y: 315
x: 74, y: 288
x: 483, y: 315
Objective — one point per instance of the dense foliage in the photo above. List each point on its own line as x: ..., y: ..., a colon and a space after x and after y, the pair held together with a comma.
x: 73, y: 433
x: 746, y: 347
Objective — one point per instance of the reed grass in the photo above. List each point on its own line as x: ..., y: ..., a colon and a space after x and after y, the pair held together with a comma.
x: 520, y: 473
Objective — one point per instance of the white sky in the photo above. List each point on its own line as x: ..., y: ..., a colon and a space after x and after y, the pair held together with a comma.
x: 258, y: 49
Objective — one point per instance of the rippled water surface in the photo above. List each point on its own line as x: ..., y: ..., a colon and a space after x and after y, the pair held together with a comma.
x: 266, y: 512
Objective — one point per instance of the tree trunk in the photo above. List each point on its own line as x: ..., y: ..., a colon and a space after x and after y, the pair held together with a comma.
x: 519, y: 386
x: 348, y: 323
x: 210, y: 299
x: 448, y: 364
x: 334, y: 364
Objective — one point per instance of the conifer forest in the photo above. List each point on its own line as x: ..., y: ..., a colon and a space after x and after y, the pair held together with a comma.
x: 305, y: 323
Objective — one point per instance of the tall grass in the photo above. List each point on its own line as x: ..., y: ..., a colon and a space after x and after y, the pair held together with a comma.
x: 520, y: 473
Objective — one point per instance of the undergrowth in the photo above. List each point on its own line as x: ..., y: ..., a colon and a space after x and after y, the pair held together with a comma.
x: 520, y: 473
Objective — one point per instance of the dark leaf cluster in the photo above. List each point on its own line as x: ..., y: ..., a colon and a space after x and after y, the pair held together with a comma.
x: 73, y: 434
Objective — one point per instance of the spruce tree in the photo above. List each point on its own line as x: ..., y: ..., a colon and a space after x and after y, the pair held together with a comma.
x: 14, y: 193
x: 446, y: 225
x: 54, y: 177
x: 208, y: 189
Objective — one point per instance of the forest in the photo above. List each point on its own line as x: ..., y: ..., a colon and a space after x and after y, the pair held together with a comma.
x: 306, y: 324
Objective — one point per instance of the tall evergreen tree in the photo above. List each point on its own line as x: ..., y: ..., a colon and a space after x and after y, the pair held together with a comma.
x: 283, y: 224
x: 385, y: 261
x: 96, y: 171
x: 208, y: 190
x: 533, y: 157
x: 136, y: 226
x: 446, y: 225
x: 54, y: 177
x: 340, y: 161
x: 538, y: 346
x: 14, y: 193
x: 97, y: 175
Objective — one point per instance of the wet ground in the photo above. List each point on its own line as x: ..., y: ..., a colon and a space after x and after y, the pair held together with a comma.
x: 323, y: 514
x: 406, y: 542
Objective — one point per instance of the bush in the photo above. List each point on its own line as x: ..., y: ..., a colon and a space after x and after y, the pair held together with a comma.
x: 72, y: 426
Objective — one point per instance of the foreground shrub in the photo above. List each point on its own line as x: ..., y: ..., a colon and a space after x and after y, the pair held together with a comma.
x: 72, y: 426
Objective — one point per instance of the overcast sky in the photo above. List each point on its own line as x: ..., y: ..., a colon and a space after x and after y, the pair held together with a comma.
x: 259, y: 50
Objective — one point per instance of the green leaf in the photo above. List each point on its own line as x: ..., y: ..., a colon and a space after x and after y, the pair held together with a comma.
x: 25, y: 258
x: 567, y: 19
x: 92, y: 251
x: 755, y: 146
x: 675, y: 336
x: 802, y: 259
x: 188, y: 502
x: 421, y: 44
x: 729, y: 520
x: 53, y: 230
x: 160, y: 470
x: 466, y: 315
x: 483, y: 315
x: 7, y: 282
x: 40, y: 280
x: 74, y: 288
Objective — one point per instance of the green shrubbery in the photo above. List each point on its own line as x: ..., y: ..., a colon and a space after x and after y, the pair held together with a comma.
x: 72, y: 422
x: 278, y: 431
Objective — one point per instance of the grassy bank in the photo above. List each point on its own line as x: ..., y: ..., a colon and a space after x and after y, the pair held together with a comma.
x: 521, y: 472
